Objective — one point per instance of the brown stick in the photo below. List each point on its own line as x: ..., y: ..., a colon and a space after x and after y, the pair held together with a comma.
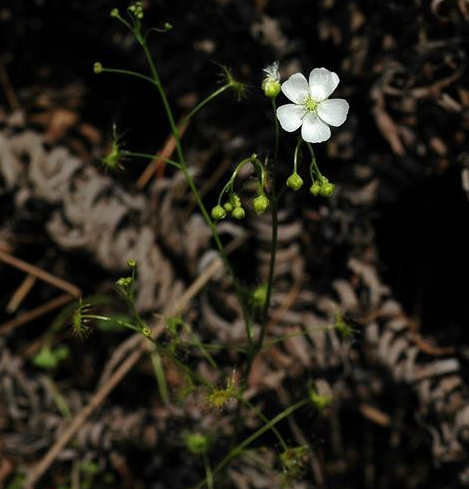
x: 158, y: 164
x: 8, y: 89
x: 38, y: 471
x: 35, y: 313
x: 40, y: 274
x: 20, y: 293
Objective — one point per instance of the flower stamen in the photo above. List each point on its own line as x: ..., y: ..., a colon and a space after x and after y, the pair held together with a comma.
x: 310, y: 104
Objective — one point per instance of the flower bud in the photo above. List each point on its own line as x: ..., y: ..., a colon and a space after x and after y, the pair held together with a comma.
x: 218, y: 212
x: 327, y: 189
x: 294, y: 181
x: 238, y: 213
x: 315, y: 188
x: 259, y: 295
x: 197, y: 443
x: 228, y: 206
x: 235, y: 200
x: 271, y: 87
x: 115, y: 12
x: 271, y: 83
x: 131, y: 263
x: 167, y: 26
x: 260, y: 203
x: 98, y: 68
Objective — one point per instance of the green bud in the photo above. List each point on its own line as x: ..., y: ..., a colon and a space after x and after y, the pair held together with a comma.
x: 115, y: 12
x: 315, y: 188
x: 259, y: 295
x: 235, y: 200
x: 271, y: 87
x: 318, y: 400
x: 327, y: 189
x: 197, y: 443
x: 98, y: 68
x: 125, y: 281
x: 167, y: 26
x: 139, y: 15
x: 131, y: 263
x: 260, y: 203
x: 294, y: 181
x: 238, y: 213
x: 132, y: 8
x: 228, y: 206
x: 218, y: 212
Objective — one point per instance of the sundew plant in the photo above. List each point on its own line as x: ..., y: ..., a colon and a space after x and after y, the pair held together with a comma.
x: 310, y: 110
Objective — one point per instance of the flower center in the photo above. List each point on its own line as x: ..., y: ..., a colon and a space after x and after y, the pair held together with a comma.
x: 310, y: 104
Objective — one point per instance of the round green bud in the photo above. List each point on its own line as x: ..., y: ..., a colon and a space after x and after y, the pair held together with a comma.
x: 238, y: 213
x: 259, y: 295
x: 218, y: 212
x: 139, y: 15
x: 115, y: 12
x: 271, y: 87
x: 327, y: 189
x: 197, y: 443
x: 167, y: 26
x: 260, y: 203
x: 235, y: 200
x: 98, y: 68
x: 315, y: 188
x: 228, y: 206
x: 132, y: 8
x: 131, y: 263
x: 294, y: 181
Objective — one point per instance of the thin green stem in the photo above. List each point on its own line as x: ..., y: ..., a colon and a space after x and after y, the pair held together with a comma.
x: 237, y: 450
x: 313, y: 166
x: 148, y: 156
x: 195, y: 191
x: 206, y: 101
x: 276, y: 432
x: 208, y: 472
x: 128, y: 73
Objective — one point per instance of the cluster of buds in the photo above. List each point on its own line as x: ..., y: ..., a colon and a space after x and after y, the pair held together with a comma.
x: 322, y: 187
x: 136, y: 10
x: 233, y: 205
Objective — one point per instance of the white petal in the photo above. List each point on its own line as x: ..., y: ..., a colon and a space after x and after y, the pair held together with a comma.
x: 291, y: 116
x: 333, y: 111
x: 296, y: 88
x: 322, y: 83
x: 314, y: 130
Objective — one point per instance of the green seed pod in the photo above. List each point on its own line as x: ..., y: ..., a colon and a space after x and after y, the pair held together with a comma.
x: 315, y: 188
x: 115, y: 12
x: 260, y: 203
x: 131, y: 263
x: 218, y: 212
x: 327, y: 189
x: 294, y: 181
x: 228, y: 206
x: 238, y: 213
x: 98, y: 68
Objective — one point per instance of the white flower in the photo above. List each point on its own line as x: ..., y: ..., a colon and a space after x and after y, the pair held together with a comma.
x: 312, y: 110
